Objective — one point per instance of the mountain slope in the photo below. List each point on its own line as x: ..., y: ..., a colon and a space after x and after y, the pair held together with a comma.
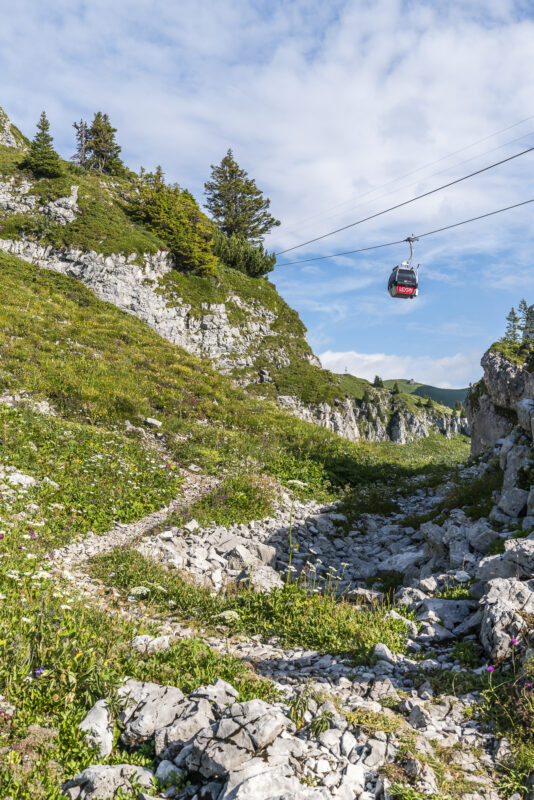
x: 79, y: 224
x: 446, y: 397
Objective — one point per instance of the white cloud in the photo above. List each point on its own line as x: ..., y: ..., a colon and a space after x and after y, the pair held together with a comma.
x: 455, y: 371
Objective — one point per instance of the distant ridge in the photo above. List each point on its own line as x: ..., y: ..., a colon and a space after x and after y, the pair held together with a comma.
x: 447, y: 397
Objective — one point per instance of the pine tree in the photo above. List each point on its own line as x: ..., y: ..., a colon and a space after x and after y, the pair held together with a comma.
x: 378, y: 383
x: 511, y: 334
x: 42, y: 159
x: 173, y: 215
x: 395, y: 389
x: 236, y: 204
x: 102, y: 150
x: 82, y: 140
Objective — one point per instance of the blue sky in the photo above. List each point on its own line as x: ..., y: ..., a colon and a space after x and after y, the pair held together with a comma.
x: 326, y: 105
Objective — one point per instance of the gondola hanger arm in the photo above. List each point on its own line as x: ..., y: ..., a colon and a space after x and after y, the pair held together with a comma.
x: 411, y: 239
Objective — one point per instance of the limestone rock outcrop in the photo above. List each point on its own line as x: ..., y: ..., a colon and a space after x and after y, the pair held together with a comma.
x: 9, y: 136
x: 494, y: 403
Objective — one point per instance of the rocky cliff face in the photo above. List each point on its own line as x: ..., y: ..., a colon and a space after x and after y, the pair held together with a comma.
x: 492, y: 404
x: 377, y: 421
x: 135, y: 289
x: 9, y: 135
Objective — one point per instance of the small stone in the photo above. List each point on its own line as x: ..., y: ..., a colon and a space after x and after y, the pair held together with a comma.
x: 98, y: 728
x: 154, y: 423
x: 383, y: 652
x: 166, y: 769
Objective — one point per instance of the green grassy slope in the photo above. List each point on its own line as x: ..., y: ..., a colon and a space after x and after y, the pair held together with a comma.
x: 446, y: 397
x: 100, y: 365
x: 357, y: 387
x: 60, y: 652
x: 104, y: 226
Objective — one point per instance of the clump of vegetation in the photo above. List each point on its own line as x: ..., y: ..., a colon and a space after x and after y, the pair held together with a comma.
x: 467, y: 653
x: 237, y: 253
x: 323, y: 622
x: 455, y: 591
x: 172, y: 214
x: 517, y: 344
x: 374, y: 499
x: 235, y: 499
x: 372, y: 721
x: 476, y: 497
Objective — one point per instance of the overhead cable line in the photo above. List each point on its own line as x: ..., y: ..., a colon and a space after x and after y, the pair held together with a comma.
x: 407, y: 202
x: 431, y: 164
x: 426, y: 177
x: 401, y: 241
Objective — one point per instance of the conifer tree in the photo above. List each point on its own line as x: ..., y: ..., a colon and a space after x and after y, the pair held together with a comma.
x: 526, y: 323
x: 173, y: 215
x: 378, y: 383
x: 459, y: 409
x: 395, y: 389
x: 42, y: 159
x: 511, y: 333
x: 236, y: 204
x: 102, y: 149
x: 82, y: 140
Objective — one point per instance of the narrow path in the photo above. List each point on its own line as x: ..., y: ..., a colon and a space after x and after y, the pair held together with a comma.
x: 285, y: 666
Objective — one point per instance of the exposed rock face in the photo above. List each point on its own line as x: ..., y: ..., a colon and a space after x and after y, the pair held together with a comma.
x: 492, y: 405
x: 340, y: 419
x: 369, y: 421
x: 8, y: 136
x: 505, y: 382
x: 133, y: 288
x: 15, y: 198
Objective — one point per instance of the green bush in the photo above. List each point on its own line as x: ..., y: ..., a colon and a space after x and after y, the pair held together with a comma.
x: 174, y: 216
x: 239, y: 254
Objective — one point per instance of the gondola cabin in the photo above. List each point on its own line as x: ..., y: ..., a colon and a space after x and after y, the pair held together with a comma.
x: 403, y: 282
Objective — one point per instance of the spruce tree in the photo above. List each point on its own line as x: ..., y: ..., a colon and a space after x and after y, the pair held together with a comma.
x: 395, y: 389
x: 236, y: 204
x: 82, y: 139
x: 42, y: 159
x: 378, y: 383
x: 102, y: 149
x: 511, y: 333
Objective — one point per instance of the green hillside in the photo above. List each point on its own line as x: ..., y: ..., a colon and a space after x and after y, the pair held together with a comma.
x: 132, y: 421
x: 101, y: 366
x: 447, y: 397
